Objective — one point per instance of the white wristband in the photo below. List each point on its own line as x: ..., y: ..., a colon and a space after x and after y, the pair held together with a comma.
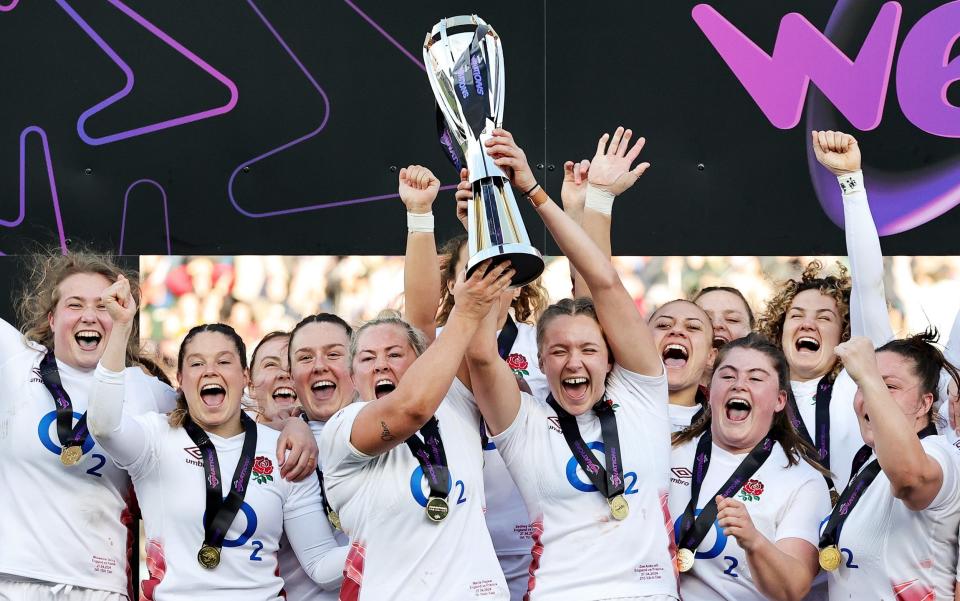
x: 851, y: 183
x: 420, y: 222
x: 599, y: 200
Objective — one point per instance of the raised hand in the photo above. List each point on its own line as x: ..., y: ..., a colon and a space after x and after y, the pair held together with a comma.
x: 610, y: 169
x: 463, y: 195
x: 836, y: 151
x: 477, y: 294
x: 574, y: 190
x: 511, y: 158
x: 859, y: 358
x: 735, y: 520
x: 119, y: 301
x: 418, y: 188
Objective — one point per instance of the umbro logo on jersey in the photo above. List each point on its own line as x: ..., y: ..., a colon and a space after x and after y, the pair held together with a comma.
x: 36, y: 376
x: 554, y: 424
x: 681, y: 476
x: 195, y: 457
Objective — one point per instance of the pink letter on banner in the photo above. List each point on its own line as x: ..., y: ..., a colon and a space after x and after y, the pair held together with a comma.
x: 925, y: 72
x: 778, y: 83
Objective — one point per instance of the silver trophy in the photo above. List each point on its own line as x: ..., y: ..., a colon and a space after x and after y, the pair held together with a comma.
x: 464, y: 63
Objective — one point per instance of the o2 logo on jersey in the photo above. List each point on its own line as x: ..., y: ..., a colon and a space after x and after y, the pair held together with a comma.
x: 574, y: 473
x: 718, y: 545
x: 251, y: 517
x: 420, y: 488
x: 46, y: 430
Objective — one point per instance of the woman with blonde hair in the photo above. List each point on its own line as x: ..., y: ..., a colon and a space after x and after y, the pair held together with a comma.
x: 57, y: 475
x: 403, y: 467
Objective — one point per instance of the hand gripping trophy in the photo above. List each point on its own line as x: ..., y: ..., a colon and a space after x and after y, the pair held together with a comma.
x: 464, y: 63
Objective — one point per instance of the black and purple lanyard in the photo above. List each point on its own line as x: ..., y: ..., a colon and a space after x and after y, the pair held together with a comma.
x: 609, y: 481
x: 432, y: 458
x: 855, y: 490
x: 70, y: 435
x: 821, y: 443
x: 220, y: 512
x: 693, y: 528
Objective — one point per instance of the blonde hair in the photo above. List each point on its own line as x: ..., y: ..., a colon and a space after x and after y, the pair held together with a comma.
x: 38, y: 297
x: 389, y: 317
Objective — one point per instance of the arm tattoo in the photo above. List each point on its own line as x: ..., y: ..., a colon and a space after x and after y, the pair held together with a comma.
x: 385, y: 433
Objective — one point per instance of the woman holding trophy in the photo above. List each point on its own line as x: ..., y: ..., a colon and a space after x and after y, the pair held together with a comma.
x: 591, y: 463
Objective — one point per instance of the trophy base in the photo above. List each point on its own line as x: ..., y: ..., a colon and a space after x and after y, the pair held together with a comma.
x: 525, y: 259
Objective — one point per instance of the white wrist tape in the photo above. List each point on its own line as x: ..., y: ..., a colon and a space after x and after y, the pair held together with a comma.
x: 599, y: 200
x: 420, y: 222
x: 851, y: 183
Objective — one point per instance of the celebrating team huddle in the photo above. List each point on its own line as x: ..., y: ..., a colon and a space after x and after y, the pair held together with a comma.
x: 487, y: 444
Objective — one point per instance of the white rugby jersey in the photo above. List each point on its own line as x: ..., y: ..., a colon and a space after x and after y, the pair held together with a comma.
x: 893, y: 553
x: 845, y: 437
x: 580, y: 551
x: 297, y: 585
x: 783, y: 501
x: 170, y: 482
x: 62, y: 524
x: 681, y: 416
x: 396, y: 551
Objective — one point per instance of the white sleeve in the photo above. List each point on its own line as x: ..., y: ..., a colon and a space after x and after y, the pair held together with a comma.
x: 11, y: 340
x: 868, y: 303
x: 809, y: 504
x: 948, y: 497
x: 313, y: 542
x: 119, y: 434
x: 651, y: 393
x: 338, y: 456
x: 516, y: 447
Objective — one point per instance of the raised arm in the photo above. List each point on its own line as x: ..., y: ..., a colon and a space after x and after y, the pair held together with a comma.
x: 421, y: 270
x: 119, y: 435
x: 626, y: 331
x: 573, y: 196
x: 840, y: 153
x: 494, y: 384
x: 915, y: 477
x: 609, y: 177
x: 388, y: 421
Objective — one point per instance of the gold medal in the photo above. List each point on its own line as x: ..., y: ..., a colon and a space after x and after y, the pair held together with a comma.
x: 834, y: 497
x: 619, y: 507
x: 685, y: 559
x: 334, y: 520
x: 209, y: 557
x: 830, y: 558
x: 70, y: 455
x: 437, y: 509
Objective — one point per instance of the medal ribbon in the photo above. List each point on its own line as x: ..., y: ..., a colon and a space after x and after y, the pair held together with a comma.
x: 327, y: 508
x: 855, y: 490
x: 69, y: 435
x: 821, y: 426
x: 693, y: 529
x: 220, y: 512
x: 608, y: 481
x: 433, y: 459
